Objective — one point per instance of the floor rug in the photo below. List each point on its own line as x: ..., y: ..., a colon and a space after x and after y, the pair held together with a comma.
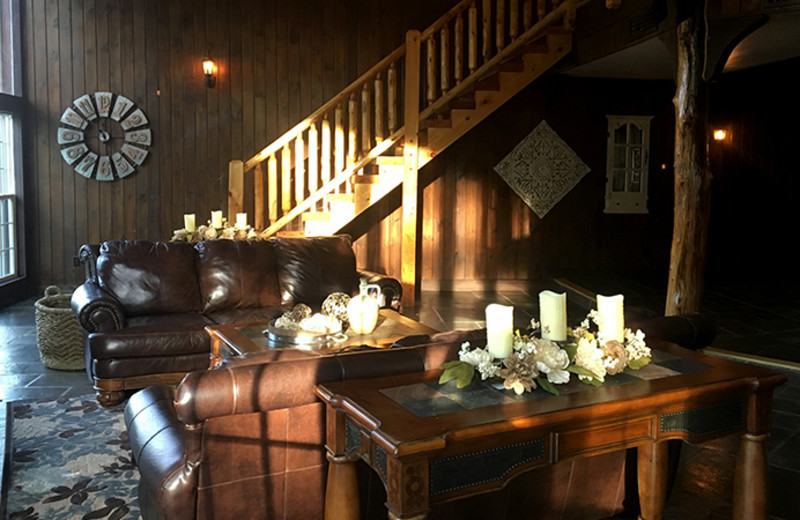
x: 69, y: 459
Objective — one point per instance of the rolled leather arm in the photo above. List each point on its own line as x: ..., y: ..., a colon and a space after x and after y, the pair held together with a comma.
x: 391, y: 289
x: 96, y: 309
x: 692, y: 330
x: 166, y: 455
x: 246, y: 388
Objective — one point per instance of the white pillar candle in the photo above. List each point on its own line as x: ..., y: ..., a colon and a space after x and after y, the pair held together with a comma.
x: 188, y: 222
x: 553, y: 315
x: 216, y: 219
x: 612, y: 319
x: 241, y: 220
x: 499, y: 333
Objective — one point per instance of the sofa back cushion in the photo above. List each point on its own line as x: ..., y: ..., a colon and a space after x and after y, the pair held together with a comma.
x: 150, y: 277
x: 237, y: 274
x: 309, y: 269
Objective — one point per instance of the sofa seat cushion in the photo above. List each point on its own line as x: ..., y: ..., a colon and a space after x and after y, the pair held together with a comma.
x: 159, y: 337
x: 252, y: 315
x: 310, y: 269
x: 150, y: 277
x: 237, y: 274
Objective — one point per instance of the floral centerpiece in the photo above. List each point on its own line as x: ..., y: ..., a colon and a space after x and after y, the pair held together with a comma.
x: 209, y: 232
x: 545, y: 363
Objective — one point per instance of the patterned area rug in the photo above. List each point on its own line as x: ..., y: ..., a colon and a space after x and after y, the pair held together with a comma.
x: 541, y: 169
x: 70, y: 459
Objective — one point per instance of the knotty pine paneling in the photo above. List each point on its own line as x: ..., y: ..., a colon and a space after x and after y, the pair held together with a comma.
x: 277, y: 62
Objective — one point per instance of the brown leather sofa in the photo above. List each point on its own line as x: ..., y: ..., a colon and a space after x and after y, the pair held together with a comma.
x: 145, y: 304
x: 246, y: 440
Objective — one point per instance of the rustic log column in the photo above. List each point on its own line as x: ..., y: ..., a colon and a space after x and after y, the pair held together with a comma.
x: 692, y: 174
x: 410, y: 170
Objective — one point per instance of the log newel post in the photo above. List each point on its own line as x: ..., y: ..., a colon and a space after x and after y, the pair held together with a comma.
x: 235, y: 188
x: 692, y: 174
x: 408, y: 271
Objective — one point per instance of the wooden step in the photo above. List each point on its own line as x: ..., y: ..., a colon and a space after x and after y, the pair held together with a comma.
x: 387, y: 160
x: 435, y: 122
x: 466, y: 102
x: 489, y: 83
x: 366, y: 178
x: 512, y: 65
x: 534, y: 48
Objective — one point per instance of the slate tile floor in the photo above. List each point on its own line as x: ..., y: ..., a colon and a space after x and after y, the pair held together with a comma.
x: 755, y: 319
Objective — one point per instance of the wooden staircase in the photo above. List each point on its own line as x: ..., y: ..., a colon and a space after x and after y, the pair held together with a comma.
x: 376, y: 134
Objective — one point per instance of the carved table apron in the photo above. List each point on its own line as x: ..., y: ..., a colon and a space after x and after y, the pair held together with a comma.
x: 431, y: 443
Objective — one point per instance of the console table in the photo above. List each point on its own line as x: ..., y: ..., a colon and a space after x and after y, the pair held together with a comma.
x: 432, y: 443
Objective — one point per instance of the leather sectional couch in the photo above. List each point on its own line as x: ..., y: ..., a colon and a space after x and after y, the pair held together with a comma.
x: 247, y: 440
x: 144, y: 305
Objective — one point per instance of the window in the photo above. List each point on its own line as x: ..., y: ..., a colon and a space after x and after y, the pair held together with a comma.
x: 628, y: 151
x: 8, y: 262
x: 10, y: 142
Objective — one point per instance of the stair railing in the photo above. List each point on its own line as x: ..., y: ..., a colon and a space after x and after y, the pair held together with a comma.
x: 319, y: 155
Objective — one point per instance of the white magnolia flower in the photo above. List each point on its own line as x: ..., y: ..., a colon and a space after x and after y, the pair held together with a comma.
x: 590, y: 357
x: 551, y: 360
x: 481, y: 359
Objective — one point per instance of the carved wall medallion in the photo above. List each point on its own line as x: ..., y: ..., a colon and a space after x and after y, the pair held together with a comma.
x: 104, y: 136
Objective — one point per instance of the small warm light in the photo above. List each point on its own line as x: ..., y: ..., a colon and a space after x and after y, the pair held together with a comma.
x: 720, y: 134
x: 208, y: 71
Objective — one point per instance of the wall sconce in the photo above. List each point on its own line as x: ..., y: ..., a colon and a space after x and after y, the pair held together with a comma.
x: 720, y: 134
x: 208, y: 72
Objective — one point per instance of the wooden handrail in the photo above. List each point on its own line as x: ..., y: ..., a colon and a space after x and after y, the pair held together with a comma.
x: 523, y: 40
x: 333, y: 184
x: 290, y: 135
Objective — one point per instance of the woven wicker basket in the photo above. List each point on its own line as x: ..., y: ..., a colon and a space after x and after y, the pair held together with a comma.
x: 58, y: 333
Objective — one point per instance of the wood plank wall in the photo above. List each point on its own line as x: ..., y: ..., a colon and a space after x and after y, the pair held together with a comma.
x: 277, y: 60
x: 476, y: 228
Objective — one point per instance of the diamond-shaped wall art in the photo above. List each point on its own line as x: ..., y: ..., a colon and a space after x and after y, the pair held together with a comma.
x: 542, y: 168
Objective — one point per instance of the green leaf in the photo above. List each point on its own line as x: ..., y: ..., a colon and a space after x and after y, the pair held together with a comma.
x: 547, y: 385
x: 636, y: 364
x: 575, y: 369
x: 459, y: 370
x: 593, y: 382
x: 572, y: 350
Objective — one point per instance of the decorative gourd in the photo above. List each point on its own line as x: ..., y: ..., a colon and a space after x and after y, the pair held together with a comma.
x: 362, y: 311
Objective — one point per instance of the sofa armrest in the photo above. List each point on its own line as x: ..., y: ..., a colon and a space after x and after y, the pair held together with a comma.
x: 391, y: 289
x: 96, y: 309
x: 692, y: 330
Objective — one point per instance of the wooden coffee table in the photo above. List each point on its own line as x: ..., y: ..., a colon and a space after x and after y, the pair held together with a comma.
x: 239, y: 339
x: 432, y: 443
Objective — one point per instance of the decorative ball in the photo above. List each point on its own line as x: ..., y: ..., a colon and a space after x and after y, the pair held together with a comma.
x: 299, y: 312
x: 335, y: 305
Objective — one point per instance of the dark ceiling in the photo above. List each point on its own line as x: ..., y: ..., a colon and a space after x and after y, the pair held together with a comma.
x: 778, y: 39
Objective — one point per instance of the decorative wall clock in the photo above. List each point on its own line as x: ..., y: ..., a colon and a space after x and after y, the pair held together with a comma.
x: 104, y: 136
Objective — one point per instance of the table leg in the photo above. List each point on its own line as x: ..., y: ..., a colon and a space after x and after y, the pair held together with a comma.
x: 750, y: 489
x: 652, y: 476
x: 341, y: 492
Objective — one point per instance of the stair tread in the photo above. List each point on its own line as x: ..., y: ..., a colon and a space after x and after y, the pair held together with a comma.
x: 367, y: 178
x: 436, y: 123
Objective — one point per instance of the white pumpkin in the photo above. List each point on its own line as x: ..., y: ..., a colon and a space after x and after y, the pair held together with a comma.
x: 362, y: 310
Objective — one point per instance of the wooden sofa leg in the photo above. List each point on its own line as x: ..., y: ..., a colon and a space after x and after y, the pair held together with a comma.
x: 109, y: 392
x: 108, y: 398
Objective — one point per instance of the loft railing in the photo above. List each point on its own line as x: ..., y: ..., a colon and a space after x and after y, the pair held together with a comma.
x: 320, y: 154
